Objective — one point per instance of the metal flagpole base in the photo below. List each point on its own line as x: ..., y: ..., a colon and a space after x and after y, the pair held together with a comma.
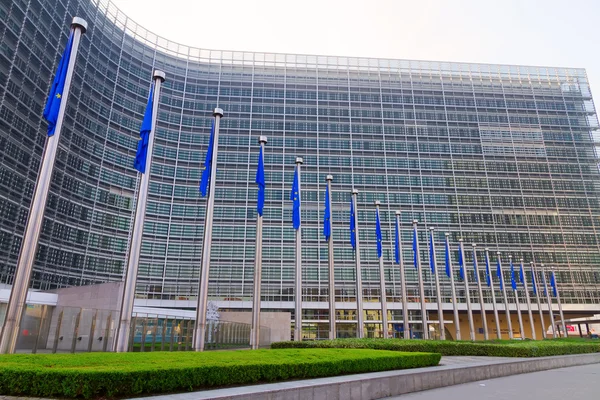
x: 493, y: 292
x: 405, y: 322
x: 200, y: 328
x: 467, y: 294
x: 359, y: 292
x: 298, y: 279
x: 437, y: 288
x: 453, y: 289
x: 123, y: 332
x: 18, y: 295
x: 421, y: 287
x: 330, y: 261
x: 256, y: 297
x: 486, y: 335
x: 528, y: 300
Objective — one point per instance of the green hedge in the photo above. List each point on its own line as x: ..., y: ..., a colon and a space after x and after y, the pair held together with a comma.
x: 92, y: 375
x: 456, y: 348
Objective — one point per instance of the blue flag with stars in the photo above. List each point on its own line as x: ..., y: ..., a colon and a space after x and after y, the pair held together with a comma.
x: 475, y: 265
x: 327, y: 217
x: 378, y: 233
x: 397, y: 244
x: 533, y: 284
x: 448, y: 259
x: 352, y: 225
x: 513, y: 281
x: 415, y: 252
x: 522, y: 274
x: 553, y: 283
x: 260, y: 181
x: 57, y: 88
x: 295, y: 197
x: 205, y: 181
x: 141, y: 155
x: 544, y: 283
x: 499, y: 274
x: 461, y: 262
x: 488, y: 278
x: 431, y: 254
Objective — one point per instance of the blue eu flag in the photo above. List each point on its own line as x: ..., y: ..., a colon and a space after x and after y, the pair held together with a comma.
x: 397, y: 244
x: 533, y: 281
x: 352, y: 225
x: 141, y: 156
x: 205, y: 181
x: 544, y: 283
x: 513, y: 281
x: 461, y: 262
x: 447, y: 256
x: 260, y: 181
x: 415, y: 252
x: 57, y: 88
x: 522, y: 274
x: 327, y: 216
x: 295, y: 197
x: 488, y: 278
x: 431, y: 255
x: 378, y: 233
x: 499, y: 274
x: 553, y: 284
x: 475, y: 265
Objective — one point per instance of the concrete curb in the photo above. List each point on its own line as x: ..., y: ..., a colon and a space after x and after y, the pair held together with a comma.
x: 378, y: 385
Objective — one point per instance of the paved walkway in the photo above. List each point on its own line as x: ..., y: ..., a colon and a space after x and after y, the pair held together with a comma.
x: 581, y: 382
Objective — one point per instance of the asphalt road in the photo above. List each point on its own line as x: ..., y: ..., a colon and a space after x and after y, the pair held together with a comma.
x: 581, y: 383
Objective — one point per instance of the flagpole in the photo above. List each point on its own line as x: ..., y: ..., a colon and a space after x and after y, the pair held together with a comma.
x: 200, y: 328
x: 20, y: 286
x: 486, y: 335
x: 506, y: 309
x: 417, y: 256
x: 548, y: 300
x: 515, y: 291
x: 256, y: 299
x: 519, y: 313
x: 384, y: 316
x: 453, y: 289
x: 528, y: 300
x: 537, y: 298
x: 123, y: 334
x: 560, y: 310
x: 298, y: 270
x: 489, y: 272
x: 330, y: 259
x: 467, y: 294
x: 437, y: 287
x: 405, y: 323
x: 359, y: 291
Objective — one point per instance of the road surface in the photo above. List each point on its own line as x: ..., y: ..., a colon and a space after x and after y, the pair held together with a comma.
x: 582, y: 382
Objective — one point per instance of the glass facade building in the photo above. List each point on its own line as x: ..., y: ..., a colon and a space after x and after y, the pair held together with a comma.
x: 502, y: 156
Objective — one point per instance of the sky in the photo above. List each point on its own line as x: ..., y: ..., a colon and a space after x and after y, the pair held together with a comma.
x: 526, y: 32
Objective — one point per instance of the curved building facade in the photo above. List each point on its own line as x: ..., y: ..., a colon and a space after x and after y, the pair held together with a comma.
x: 502, y: 156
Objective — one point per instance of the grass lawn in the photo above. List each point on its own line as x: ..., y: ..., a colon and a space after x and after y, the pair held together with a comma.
x: 93, y: 375
x: 494, y: 348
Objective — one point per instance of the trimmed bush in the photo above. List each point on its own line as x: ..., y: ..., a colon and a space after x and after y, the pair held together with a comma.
x: 92, y: 375
x: 496, y: 348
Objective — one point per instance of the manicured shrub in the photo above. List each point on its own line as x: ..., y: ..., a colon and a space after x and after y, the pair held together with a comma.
x: 91, y: 375
x: 496, y: 348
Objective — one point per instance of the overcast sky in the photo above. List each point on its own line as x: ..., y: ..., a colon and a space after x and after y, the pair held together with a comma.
x: 528, y: 32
